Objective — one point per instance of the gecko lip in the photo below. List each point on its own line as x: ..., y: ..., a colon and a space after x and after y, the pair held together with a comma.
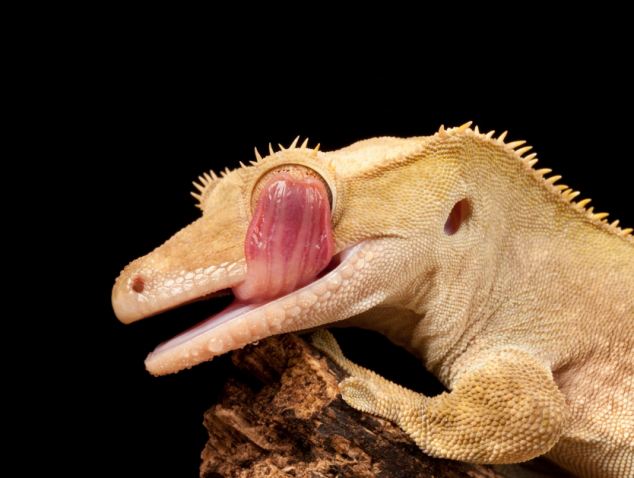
x: 241, y: 323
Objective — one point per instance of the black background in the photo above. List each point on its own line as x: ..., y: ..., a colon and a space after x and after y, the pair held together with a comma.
x: 149, y: 118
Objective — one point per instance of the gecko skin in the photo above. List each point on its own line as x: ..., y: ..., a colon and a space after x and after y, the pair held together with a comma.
x: 515, y: 294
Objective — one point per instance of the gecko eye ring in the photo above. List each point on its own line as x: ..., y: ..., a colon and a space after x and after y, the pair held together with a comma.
x: 298, y: 172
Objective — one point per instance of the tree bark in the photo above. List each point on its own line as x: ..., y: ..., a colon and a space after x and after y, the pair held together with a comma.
x: 281, y: 416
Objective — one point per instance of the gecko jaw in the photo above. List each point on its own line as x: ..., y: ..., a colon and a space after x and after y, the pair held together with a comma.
x: 319, y: 302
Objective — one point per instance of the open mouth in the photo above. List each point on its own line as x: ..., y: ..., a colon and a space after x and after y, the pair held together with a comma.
x: 288, y: 279
x: 242, y: 323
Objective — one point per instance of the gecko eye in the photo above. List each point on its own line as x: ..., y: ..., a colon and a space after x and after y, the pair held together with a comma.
x: 296, y: 171
x: 460, y: 213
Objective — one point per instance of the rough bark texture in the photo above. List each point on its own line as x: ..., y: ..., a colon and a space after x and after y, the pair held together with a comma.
x: 281, y: 416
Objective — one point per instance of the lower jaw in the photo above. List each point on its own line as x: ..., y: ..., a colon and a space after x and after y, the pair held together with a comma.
x: 241, y: 323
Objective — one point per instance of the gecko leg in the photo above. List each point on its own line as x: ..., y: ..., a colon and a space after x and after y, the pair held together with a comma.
x: 505, y: 409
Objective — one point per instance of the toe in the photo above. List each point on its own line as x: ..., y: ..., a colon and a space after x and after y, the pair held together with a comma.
x: 326, y: 342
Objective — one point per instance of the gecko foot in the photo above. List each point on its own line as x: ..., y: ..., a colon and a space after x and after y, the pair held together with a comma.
x: 366, y: 390
x: 366, y: 397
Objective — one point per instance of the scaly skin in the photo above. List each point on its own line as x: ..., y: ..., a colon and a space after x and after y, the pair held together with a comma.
x: 520, y: 301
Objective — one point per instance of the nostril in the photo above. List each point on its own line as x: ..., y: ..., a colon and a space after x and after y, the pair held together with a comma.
x: 138, y: 284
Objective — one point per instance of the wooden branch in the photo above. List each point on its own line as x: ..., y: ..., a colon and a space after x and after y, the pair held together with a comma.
x: 281, y: 416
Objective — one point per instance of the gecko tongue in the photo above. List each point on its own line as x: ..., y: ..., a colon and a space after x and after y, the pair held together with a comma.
x: 289, y: 241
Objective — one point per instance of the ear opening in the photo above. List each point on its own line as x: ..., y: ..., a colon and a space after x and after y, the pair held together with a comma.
x: 460, y: 213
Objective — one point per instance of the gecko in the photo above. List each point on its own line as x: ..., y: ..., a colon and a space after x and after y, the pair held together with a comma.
x: 510, y: 289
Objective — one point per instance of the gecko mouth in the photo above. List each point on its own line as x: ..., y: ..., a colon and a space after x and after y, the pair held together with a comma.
x: 242, y: 323
x: 293, y: 279
x: 238, y: 307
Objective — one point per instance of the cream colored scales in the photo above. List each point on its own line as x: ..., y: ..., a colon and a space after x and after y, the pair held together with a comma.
x: 511, y: 290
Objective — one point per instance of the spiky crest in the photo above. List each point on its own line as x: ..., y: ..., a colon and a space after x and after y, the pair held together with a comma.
x: 207, y: 181
x: 564, y: 192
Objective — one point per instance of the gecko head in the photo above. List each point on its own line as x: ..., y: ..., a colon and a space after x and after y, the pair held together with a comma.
x: 301, y: 238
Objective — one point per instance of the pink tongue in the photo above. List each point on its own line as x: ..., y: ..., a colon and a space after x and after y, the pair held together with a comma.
x: 289, y: 241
